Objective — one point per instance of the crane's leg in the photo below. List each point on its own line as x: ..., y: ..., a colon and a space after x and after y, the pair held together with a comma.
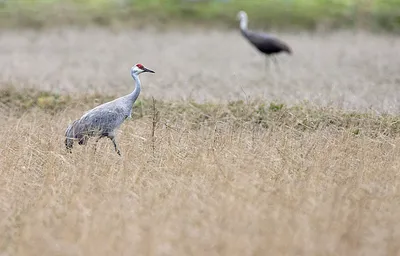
x: 272, y: 63
x: 276, y: 62
x: 268, y: 63
x: 112, y: 138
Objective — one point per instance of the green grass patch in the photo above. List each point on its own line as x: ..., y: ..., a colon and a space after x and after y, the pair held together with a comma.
x: 284, y: 14
x: 267, y: 115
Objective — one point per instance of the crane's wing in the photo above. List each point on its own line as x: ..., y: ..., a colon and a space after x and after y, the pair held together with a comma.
x: 265, y: 42
x: 96, y: 122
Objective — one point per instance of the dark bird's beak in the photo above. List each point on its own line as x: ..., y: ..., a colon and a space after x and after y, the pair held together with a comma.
x: 148, y: 70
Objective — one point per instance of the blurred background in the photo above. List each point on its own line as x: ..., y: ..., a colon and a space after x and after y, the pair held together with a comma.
x: 290, y: 14
x: 342, y: 49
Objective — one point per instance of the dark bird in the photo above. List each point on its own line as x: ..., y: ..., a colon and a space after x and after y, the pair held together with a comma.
x: 265, y: 43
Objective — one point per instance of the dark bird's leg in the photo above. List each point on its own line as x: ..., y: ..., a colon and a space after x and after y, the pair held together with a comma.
x: 276, y: 62
x: 268, y: 63
x: 272, y: 63
x: 274, y: 59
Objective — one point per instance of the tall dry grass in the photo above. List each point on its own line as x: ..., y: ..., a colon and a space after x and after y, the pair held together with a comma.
x: 209, y: 179
x: 217, y: 188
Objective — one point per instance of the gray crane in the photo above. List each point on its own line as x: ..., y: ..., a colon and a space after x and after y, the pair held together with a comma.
x: 105, y: 119
x: 265, y: 43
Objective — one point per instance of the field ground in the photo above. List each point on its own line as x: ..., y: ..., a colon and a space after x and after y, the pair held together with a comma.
x: 240, y: 174
x: 201, y: 185
x: 351, y: 71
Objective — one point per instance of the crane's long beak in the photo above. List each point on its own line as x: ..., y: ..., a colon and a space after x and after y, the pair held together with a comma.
x: 148, y: 70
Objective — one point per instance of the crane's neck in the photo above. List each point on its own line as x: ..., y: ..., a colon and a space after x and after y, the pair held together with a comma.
x: 243, y: 23
x: 135, y: 93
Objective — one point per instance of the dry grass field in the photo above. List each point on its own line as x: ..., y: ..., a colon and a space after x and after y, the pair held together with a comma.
x: 201, y: 179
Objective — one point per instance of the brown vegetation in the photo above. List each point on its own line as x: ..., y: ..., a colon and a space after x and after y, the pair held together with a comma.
x: 219, y: 187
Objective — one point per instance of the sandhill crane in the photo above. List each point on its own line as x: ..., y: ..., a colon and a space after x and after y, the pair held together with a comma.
x: 265, y: 43
x: 105, y: 119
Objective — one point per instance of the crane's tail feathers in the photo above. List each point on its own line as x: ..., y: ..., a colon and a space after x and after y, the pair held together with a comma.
x: 70, y: 136
x: 83, y: 140
x: 69, y: 143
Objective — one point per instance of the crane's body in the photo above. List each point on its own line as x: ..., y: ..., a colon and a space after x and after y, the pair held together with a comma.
x: 105, y: 119
x: 265, y: 43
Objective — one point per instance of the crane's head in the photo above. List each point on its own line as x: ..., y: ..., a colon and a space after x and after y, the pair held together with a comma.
x: 139, y: 68
x: 242, y: 15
